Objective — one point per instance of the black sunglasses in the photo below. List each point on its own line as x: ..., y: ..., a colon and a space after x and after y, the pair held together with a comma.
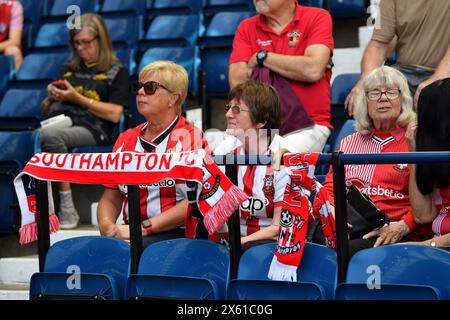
x: 149, y: 87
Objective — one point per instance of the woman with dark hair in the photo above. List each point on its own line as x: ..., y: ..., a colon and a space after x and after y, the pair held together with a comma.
x: 92, y: 92
x: 429, y: 184
x: 253, y: 115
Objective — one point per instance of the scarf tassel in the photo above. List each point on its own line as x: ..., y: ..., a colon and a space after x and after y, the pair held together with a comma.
x: 29, y: 232
x: 282, y: 272
x: 223, y: 209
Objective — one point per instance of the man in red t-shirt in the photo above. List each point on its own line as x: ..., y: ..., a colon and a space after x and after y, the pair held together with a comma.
x: 11, y: 24
x: 296, y: 43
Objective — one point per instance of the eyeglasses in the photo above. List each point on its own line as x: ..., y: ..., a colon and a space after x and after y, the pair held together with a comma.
x: 82, y: 43
x: 234, y: 109
x: 376, y: 94
x: 149, y: 87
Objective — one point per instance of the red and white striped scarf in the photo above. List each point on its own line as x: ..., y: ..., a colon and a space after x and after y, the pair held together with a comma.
x: 126, y: 168
x: 295, y: 211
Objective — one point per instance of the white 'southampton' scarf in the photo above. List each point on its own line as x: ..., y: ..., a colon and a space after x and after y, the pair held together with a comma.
x: 128, y: 168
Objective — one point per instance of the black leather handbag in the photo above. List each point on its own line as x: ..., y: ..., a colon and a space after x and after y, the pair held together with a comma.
x: 363, y: 214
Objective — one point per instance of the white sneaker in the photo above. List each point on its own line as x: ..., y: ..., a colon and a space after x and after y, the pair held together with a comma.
x: 68, y: 218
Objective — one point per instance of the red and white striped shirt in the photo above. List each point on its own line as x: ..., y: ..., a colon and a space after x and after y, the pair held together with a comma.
x: 264, y: 186
x: 180, y: 135
x: 385, y: 184
x: 441, y: 224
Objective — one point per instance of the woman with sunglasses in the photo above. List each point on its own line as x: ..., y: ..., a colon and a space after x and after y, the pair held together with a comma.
x: 383, y: 112
x: 160, y: 92
x: 92, y: 92
x: 253, y: 115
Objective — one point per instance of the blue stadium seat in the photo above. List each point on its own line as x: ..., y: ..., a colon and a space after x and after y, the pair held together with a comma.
x: 215, y: 49
x: 124, y: 32
x: 6, y: 72
x: 347, y: 8
x: 162, y: 33
x: 102, y: 264
x: 122, y: 7
x: 58, y: 8
x: 316, y: 276
x: 312, y: 3
x: 188, y: 57
x: 52, y: 37
x: 215, y: 69
x: 215, y: 6
x: 17, y: 148
x: 126, y: 57
x: 176, y: 7
x: 20, y: 109
x: 32, y: 13
x: 45, y: 66
x: 341, y: 87
x: 404, y: 272
x: 347, y: 129
x: 181, y: 269
x: 221, y: 30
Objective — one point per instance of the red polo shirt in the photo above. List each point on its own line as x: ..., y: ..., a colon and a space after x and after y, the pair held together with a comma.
x: 309, y: 26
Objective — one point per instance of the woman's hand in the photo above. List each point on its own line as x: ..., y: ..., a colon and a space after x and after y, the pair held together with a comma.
x: 410, y: 135
x: 278, y: 155
x: 389, y: 234
x: 69, y: 94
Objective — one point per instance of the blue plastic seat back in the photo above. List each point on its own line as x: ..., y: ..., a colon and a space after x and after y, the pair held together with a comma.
x: 341, y: 87
x: 127, y: 58
x: 192, y: 258
x: 347, y: 8
x: 20, y: 109
x: 123, y: 6
x: 215, y: 67
x: 360, y: 291
x: 54, y: 286
x: 177, y: 6
x: 225, y: 23
x: 171, y: 287
x: 6, y: 72
x: 59, y: 7
x: 94, y: 255
x: 41, y: 66
x: 9, y: 210
x: 405, y: 265
x: 32, y: 10
x: 318, y: 266
x: 18, y: 147
x: 54, y: 35
x: 188, y: 57
x: 124, y: 32
x: 347, y: 129
x: 215, y: 6
x: 163, y: 29
x: 312, y: 3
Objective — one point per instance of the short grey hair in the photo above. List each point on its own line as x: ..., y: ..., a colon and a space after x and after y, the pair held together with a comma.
x: 390, y: 77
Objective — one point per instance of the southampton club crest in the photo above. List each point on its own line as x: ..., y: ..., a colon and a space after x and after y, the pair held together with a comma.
x: 294, y: 38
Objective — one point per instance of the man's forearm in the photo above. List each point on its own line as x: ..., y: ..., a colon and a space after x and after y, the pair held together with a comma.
x: 374, y: 57
x: 238, y: 72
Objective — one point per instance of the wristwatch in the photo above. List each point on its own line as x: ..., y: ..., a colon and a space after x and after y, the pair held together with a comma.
x: 147, y: 223
x: 260, y: 57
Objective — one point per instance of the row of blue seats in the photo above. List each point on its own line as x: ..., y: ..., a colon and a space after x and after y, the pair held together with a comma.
x: 57, y: 8
x: 98, y: 268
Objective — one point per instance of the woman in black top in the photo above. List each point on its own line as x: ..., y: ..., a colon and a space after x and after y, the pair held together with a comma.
x: 93, y: 92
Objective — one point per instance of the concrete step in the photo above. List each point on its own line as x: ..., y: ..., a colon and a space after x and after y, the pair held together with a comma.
x: 18, y: 270
x: 14, y: 292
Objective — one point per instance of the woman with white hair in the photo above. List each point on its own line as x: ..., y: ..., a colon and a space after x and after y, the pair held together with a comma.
x: 382, y: 113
